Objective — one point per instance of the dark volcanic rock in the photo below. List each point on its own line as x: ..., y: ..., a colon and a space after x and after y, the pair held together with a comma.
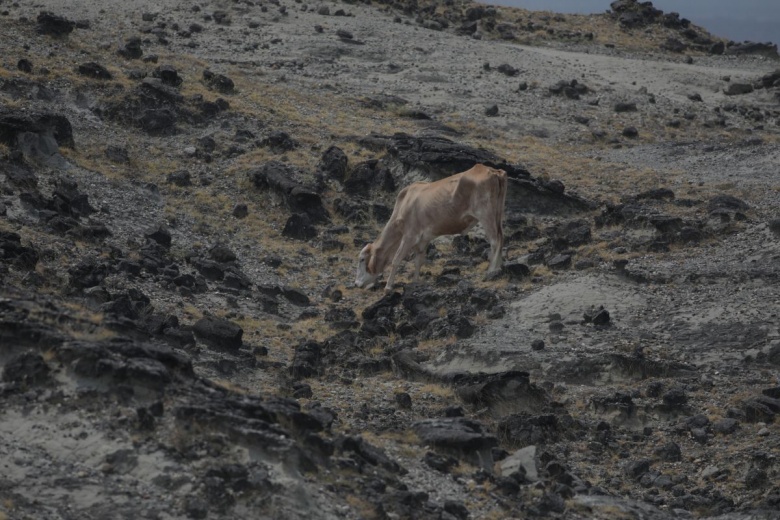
x: 14, y: 124
x: 341, y: 318
x: 440, y: 156
x: 383, y: 307
x: 569, y: 89
x: 21, y: 175
x: 503, y: 393
x: 675, y: 398
x: 298, y: 197
x: 12, y: 252
x: 219, y: 333
x: 117, y: 154
x: 158, y: 121
x: 458, y: 437
x: 727, y: 202
x: 279, y: 142
x: 130, y: 305
x: 255, y: 422
x: 168, y: 75
x: 299, y: 226
x: 94, y: 70
x: 517, y: 270
x: 630, y: 132
x: 561, y: 261
x: 240, y: 211
x: 368, y: 453
x: 598, y: 316
x: 54, y: 25
x: 125, y: 362
x: 334, y: 163
x: 656, y: 194
x: 524, y: 429
x: 180, y: 178
x: 767, y: 49
x: 738, y: 89
x: 24, y: 65
x: 368, y: 176
x: 307, y: 360
x: 571, y: 234
x: 636, y: 468
x: 160, y: 234
x: 761, y: 408
x: 442, y: 463
x: 27, y: 368
x: 87, y: 273
x: 131, y: 49
x: 624, y: 106
x: 218, y: 82
x: 295, y: 296
x: 669, y: 452
x: 725, y: 426
x: 155, y: 107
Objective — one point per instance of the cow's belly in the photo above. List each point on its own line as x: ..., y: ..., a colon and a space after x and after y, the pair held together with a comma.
x: 452, y: 227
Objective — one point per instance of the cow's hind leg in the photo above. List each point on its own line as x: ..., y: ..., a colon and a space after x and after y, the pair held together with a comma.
x: 419, y: 258
x: 495, y: 235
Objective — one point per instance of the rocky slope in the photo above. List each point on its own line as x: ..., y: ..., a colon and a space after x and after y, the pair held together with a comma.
x: 183, y: 193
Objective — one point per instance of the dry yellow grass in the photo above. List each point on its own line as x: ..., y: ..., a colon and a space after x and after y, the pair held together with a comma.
x: 363, y: 507
x: 440, y: 391
x: 230, y: 386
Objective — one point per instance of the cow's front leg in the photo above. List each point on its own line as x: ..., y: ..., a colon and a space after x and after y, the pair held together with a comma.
x: 496, y: 258
x: 400, y: 255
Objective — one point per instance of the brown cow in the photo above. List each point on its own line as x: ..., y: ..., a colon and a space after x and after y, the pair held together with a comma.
x: 426, y: 210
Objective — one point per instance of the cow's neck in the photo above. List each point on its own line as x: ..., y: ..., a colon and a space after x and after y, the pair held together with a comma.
x: 385, y: 247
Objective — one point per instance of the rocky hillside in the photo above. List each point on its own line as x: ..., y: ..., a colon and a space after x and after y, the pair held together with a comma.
x: 184, y: 188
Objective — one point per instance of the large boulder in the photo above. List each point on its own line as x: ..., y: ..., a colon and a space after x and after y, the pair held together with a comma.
x: 16, y: 123
x: 54, y: 25
x: 459, y: 437
x: 12, y: 252
x: 298, y: 197
x: 411, y: 158
x: 333, y: 163
x: 219, y: 333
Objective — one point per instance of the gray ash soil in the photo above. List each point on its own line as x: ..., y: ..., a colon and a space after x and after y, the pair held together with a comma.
x: 179, y: 337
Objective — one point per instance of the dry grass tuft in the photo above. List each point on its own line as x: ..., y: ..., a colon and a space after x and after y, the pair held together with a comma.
x: 363, y: 507
x: 230, y: 386
x: 441, y: 391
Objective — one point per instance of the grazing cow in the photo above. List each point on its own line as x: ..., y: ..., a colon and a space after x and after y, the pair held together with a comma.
x: 426, y: 210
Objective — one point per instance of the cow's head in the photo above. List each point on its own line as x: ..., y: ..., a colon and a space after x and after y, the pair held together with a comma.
x: 366, y: 273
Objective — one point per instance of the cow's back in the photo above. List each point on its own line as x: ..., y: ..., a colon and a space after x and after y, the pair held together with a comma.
x: 481, y: 187
x: 450, y: 205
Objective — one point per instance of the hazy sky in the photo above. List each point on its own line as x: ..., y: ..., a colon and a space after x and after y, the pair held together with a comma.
x: 738, y: 20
